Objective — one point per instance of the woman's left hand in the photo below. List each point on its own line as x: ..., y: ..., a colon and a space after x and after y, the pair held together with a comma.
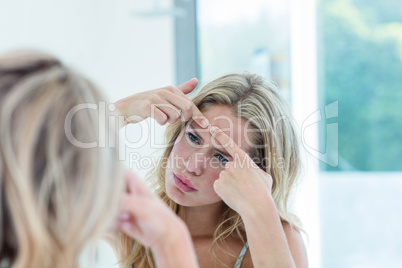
x: 242, y: 185
x: 246, y: 188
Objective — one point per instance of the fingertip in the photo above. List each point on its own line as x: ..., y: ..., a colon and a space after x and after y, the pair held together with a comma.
x: 205, y: 123
x: 200, y: 119
x: 134, y: 185
x: 188, y: 86
x: 130, y: 182
x: 214, y: 130
x: 124, y: 215
x: 193, y: 82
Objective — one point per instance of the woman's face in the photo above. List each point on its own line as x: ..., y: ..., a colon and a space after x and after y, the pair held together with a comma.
x: 197, y: 158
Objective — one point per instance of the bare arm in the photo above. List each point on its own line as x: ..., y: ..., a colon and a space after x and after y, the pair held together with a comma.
x: 296, y: 246
x: 272, y: 243
x: 246, y: 188
x: 177, y: 250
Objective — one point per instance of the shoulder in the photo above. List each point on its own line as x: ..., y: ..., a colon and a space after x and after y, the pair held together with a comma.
x: 296, y: 245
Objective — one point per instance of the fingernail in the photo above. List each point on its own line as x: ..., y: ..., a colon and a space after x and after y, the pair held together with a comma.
x: 213, y: 129
x: 205, y: 123
x: 124, y: 216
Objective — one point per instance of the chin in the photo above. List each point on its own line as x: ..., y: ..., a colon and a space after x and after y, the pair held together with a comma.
x: 178, y: 196
x: 185, y: 200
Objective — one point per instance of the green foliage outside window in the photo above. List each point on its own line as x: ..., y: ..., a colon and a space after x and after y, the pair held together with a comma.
x: 360, y: 65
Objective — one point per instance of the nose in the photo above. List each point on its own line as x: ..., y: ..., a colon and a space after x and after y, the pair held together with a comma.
x: 195, y: 163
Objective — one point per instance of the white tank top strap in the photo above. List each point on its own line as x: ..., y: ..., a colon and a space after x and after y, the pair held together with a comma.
x: 135, y: 245
x: 241, y: 256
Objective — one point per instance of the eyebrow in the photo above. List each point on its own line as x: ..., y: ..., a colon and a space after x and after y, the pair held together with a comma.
x: 196, y: 132
x: 199, y: 136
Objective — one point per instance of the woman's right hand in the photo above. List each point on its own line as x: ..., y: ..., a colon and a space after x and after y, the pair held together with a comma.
x: 167, y: 104
x: 145, y: 218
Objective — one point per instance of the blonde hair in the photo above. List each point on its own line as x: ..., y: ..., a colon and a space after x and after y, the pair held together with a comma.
x: 261, y: 104
x: 55, y: 197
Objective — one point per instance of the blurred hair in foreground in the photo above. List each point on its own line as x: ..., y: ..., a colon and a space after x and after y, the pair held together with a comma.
x: 55, y: 197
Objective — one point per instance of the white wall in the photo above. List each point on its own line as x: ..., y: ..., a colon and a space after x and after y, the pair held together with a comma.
x: 122, y: 53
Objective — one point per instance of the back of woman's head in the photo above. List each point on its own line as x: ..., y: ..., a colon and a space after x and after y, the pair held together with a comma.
x: 56, y: 194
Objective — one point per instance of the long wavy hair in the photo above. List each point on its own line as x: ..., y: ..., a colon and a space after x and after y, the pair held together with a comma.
x: 55, y: 197
x: 276, y: 150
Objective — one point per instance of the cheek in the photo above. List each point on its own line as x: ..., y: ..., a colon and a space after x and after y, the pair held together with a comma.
x: 178, y: 156
x: 180, y: 147
x: 211, y: 175
x: 209, y: 193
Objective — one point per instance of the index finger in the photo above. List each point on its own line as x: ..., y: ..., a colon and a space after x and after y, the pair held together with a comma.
x: 198, y: 117
x: 135, y: 185
x: 228, y: 144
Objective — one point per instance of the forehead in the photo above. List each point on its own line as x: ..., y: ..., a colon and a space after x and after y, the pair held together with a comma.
x: 224, y: 118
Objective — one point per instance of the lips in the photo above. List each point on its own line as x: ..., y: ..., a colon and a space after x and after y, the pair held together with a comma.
x: 183, y: 183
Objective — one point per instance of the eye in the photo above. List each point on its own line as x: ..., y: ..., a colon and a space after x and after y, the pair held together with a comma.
x: 192, y: 137
x: 221, y: 158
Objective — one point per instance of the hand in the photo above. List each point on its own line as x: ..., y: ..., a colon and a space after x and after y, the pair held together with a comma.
x: 242, y: 185
x: 144, y: 217
x: 167, y: 104
x: 246, y: 188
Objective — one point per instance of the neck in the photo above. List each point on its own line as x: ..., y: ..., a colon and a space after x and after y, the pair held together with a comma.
x: 202, y: 220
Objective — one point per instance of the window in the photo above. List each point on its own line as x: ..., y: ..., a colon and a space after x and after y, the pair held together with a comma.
x: 357, y: 83
x: 360, y: 66
x: 232, y: 38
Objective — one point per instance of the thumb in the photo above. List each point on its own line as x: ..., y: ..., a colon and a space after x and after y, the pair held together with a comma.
x: 135, y: 186
x: 188, y: 86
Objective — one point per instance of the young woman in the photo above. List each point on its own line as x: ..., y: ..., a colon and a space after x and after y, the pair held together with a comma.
x: 229, y: 182
x: 57, y: 196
